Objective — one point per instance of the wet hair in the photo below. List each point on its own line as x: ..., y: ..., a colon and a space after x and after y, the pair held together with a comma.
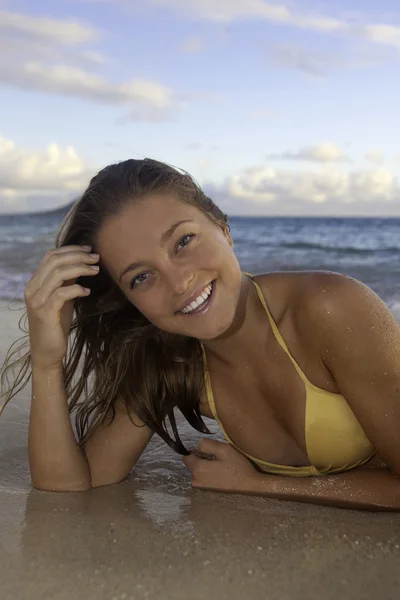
x: 121, y: 351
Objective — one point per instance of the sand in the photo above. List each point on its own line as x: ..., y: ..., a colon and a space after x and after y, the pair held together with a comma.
x: 153, y: 536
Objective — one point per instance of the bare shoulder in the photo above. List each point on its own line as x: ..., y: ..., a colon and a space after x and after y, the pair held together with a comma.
x: 309, y: 300
x: 304, y: 291
x: 291, y: 291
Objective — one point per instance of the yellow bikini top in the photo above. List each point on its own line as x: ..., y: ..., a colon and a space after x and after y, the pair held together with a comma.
x: 335, y: 440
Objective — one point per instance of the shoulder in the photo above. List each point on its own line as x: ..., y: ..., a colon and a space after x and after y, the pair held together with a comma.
x: 302, y: 293
x: 328, y: 295
x: 320, y: 302
x: 336, y: 310
x: 314, y: 292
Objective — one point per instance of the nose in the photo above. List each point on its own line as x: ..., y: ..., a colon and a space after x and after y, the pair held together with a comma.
x: 180, y: 282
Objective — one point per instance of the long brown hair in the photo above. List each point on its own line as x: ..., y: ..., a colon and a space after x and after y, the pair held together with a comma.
x: 127, y: 357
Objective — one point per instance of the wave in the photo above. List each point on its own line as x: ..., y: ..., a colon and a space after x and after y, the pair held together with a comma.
x: 338, y: 249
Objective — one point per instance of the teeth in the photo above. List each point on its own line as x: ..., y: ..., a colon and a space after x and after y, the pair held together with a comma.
x: 199, y: 300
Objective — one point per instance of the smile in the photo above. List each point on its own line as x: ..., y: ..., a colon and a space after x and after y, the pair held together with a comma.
x: 202, y: 302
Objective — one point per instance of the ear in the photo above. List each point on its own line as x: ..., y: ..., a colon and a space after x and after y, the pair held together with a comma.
x: 226, y: 229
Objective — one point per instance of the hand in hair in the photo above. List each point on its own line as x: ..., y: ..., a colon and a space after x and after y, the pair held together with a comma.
x: 49, y: 298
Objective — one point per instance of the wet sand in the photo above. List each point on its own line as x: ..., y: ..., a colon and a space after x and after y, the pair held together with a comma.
x: 153, y: 536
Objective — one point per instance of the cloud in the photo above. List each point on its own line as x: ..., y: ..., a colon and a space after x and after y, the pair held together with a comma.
x: 151, y: 100
x: 294, y: 57
x: 374, y: 156
x: 320, y: 63
x: 51, y: 56
x: 228, y: 11
x: 32, y: 178
x: 383, y: 34
x: 193, y: 44
x: 325, y: 152
x: 56, y: 30
x: 268, y: 187
x: 47, y: 173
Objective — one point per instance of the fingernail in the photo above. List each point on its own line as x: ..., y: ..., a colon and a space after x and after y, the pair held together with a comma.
x: 87, y: 247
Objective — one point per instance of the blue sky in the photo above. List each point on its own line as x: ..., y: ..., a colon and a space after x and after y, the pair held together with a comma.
x: 275, y: 109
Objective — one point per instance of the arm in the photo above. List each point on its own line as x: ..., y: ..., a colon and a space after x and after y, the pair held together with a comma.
x: 363, y: 488
x: 367, y: 487
x: 56, y: 461
x: 358, y: 339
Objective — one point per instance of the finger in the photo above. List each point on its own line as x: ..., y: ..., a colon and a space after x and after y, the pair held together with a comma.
x: 190, y: 461
x: 204, y: 455
x: 212, y: 447
x: 57, y: 268
x: 64, y: 276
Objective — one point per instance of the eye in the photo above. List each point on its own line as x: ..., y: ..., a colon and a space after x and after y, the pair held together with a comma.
x: 188, y: 235
x: 133, y: 282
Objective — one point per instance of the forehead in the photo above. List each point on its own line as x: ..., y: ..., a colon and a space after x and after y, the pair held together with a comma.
x: 138, y: 228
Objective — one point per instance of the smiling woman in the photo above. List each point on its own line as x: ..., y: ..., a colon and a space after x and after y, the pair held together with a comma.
x: 300, y: 370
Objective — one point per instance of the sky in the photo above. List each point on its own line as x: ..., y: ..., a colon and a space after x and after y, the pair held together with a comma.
x: 288, y: 108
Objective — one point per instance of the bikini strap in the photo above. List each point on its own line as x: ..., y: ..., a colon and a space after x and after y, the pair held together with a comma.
x: 276, y: 332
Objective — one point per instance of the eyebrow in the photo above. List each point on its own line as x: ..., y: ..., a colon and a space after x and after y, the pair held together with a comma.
x: 164, y: 238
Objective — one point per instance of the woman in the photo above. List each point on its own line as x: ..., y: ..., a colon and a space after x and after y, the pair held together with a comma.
x: 300, y: 369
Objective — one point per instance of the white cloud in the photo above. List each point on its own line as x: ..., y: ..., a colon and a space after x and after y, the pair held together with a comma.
x: 76, y: 82
x: 48, y: 55
x: 193, y: 44
x: 27, y: 38
x: 31, y: 179
x: 232, y: 10
x: 227, y: 11
x: 383, y: 34
x: 57, y: 30
x: 268, y: 186
x: 374, y: 156
x: 46, y: 173
x: 325, y: 152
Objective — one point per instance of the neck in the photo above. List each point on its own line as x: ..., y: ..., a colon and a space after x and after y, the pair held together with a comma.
x: 240, y: 345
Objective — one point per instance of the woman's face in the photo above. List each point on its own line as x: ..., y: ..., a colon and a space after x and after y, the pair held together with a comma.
x: 159, y: 265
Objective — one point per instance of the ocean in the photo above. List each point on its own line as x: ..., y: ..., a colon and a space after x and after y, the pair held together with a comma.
x: 365, y: 248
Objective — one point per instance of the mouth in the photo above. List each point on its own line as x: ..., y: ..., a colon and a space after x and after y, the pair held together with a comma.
x: 203, y: 308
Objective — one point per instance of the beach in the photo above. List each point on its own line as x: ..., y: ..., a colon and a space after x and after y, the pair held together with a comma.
x: 154, y: 536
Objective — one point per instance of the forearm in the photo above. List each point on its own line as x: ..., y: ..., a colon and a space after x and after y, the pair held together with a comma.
x: 365, y: 489
x: 56, y: 461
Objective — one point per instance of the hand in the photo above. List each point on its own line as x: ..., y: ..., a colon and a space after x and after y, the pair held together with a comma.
x: 226, y: 469
x: 49, y: 297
